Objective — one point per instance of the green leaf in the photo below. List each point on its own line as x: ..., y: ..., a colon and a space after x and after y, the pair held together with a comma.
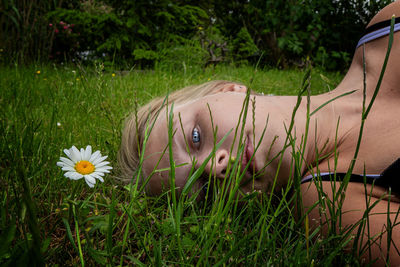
x: 118, y: 44
x: 69, y: 233
x: 136, y: 261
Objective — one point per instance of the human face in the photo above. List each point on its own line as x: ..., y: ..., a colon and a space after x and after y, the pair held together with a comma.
x: 194, y: 140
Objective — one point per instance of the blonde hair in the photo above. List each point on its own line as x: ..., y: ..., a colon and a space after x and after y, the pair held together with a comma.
x: 136, y: 123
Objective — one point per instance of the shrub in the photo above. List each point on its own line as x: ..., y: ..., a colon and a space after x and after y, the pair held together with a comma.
x: 243, y: 46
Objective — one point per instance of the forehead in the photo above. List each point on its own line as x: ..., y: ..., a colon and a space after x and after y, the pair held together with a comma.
x: 219, y: 103
x: 198, y: 107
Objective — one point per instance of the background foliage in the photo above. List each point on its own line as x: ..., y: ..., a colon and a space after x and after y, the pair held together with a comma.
x: 143, y: 33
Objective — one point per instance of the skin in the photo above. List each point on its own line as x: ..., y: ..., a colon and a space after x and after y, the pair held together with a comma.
x: 334, y: 126
x: 379, y: 146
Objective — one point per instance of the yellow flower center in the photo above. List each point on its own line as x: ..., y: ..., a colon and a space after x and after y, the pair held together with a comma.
x: 84, y: 167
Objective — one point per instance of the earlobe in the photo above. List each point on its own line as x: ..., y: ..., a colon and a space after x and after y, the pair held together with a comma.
x: 234, y: 88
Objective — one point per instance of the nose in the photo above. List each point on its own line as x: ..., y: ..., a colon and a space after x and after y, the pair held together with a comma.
x: 220, y: 164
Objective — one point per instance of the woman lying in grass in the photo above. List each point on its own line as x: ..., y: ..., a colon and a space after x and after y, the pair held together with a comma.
x: 218, y: 127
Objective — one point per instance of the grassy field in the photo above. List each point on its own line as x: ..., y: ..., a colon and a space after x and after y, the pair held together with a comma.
x: 47, y: 218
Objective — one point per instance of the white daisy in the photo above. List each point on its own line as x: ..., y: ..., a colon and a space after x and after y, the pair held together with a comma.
x: 84, y: 164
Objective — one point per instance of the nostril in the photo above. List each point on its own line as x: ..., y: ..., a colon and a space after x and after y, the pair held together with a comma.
x: 221, y: 163
x: 221, y: 159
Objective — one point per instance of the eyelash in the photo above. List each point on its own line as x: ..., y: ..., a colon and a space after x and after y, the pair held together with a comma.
x: 197, y: 142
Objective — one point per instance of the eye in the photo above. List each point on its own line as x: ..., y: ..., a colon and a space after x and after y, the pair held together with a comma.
x: 195, y: 136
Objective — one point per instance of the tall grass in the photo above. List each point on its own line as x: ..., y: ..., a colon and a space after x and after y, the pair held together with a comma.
x: 47, y: 218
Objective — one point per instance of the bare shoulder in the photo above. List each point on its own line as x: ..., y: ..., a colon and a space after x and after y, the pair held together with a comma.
x: 386, y: 13
x: 378, y: 217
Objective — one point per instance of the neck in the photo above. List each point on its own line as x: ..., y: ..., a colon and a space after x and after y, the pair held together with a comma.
x: 335, y: 127
x: 317, y: 134
x: 311, y: 137
x: 339, y: 121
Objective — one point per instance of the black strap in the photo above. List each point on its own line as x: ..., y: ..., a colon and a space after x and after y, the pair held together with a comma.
x: 380, y: 25
x: 353, y: 178
x: 390, y: 177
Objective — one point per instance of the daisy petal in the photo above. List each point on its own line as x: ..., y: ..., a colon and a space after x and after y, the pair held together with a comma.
x: 87, y: 153
x: 101, y: 164
x: 67, y: 161
x: 102, y: 173
x: 95, y: 175
x: 98, y: 160
x: 89, y: 184
x: 61, y: 164
x: 67, y: 168
x: 90, y: 178
x: 103, y: 169
x: 73, y: 175
x: 94, y: 156
x: 66, y: 151
x: 75, y: 154
x: 77, y: 176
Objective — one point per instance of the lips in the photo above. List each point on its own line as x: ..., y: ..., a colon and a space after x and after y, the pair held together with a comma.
x: 248, y: 153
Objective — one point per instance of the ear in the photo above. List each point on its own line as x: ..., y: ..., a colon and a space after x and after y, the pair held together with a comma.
x: 233, y: 87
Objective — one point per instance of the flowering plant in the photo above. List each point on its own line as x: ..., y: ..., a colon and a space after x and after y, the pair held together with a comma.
x: 84, y: 164
x: 65, y: 40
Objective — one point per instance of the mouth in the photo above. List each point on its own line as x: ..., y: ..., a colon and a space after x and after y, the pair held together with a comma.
x: 247, y: 154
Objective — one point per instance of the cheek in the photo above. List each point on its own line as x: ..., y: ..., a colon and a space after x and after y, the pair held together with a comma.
x: 157, y: 184
x: 181, y: 177
x: 158, y: 180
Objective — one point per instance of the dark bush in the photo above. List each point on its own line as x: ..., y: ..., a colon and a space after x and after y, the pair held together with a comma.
x: 143, y: 32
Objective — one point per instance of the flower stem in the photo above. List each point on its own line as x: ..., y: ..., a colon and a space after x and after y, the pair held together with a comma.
x: 77, y: 236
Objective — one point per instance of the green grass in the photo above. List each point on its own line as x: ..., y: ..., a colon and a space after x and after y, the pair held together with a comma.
x: 47, y: 218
